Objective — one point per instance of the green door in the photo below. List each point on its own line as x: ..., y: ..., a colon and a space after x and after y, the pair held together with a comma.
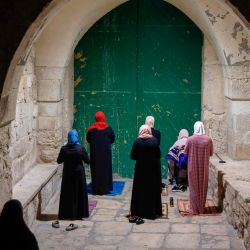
x: 142, y: 58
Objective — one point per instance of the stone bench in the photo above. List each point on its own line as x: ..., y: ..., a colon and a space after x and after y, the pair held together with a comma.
x: 36, y: 189
x: 229, y: 184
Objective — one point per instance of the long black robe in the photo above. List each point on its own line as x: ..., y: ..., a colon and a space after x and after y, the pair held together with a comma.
x: 73, y: 198
x: 146, y: 196
x: 157, y: 134
x: 101, y: 159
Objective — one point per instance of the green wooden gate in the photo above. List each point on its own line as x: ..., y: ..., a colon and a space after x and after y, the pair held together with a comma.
x: 142, y: 58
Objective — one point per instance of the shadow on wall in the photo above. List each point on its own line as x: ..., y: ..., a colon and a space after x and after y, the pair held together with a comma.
x: 13, y: 30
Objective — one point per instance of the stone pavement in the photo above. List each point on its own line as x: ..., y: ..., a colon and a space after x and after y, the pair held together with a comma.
x: 108, y: 228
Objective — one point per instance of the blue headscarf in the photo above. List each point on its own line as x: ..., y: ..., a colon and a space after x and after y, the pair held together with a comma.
x: 73, y: 137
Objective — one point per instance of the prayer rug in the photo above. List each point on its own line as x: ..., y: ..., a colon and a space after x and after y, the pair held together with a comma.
x: 164, y: 211
x: 210, y: 209
x: 92, y: 204
x: 118, y: 187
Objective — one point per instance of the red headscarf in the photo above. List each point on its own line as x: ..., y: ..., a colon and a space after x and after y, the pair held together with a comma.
x: 100, y: 121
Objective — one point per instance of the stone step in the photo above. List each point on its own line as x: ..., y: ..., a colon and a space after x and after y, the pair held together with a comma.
x: 36, y: 189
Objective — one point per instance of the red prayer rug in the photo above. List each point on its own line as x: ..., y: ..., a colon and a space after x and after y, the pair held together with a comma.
x: 210, y: 208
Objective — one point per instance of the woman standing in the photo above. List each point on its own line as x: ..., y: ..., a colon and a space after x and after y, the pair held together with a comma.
x: 74, y: 198
x: 150, y: 121
x: 100, y: 137
x: 199, y: 148
x: 146, y: 196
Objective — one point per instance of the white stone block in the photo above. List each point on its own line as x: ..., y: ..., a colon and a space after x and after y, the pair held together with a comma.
x: 50, y: 73
x: 49, y: 90
x: 50, y: 109
x: 46, y: 123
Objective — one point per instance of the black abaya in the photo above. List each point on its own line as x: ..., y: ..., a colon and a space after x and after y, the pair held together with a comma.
x: 101, y: 159
x: 73, y: 198
x: 157, y: 134
x: 146, y: 196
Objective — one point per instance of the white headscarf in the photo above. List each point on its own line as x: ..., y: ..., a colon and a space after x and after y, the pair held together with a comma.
x: 199, y: 128
x: 150, y: 121
x: 145, y: 132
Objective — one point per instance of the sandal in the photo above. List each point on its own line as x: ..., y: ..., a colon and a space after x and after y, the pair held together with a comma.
x: 55, y: 224
x: 71, y: 227
x: 139, y: 221
x: 132, y: 219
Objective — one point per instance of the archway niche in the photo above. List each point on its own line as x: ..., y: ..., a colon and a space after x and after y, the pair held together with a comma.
x: 42, y: 68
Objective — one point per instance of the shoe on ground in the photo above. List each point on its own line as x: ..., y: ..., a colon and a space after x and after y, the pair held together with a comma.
x: 170, y: 181
x: 139, y: 221
x: 133, y: 219
x: 55, y: 224
x: 176, y: 189
x: 71, y: 227
x: 183, y: 188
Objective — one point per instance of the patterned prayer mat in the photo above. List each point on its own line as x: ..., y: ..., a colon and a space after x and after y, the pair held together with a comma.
x: 118, y: 187
x: 210, y: 209
x: 92, y: 204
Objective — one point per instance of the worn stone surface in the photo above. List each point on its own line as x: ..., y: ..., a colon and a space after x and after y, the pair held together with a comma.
x: 68, y: 99
x: 233, y: 193
x: 23, y: 129
x: 29, y: 141
x: 182, y: 241
x: 214, y: 104
x: 5, y: 167
x: 177, y: 232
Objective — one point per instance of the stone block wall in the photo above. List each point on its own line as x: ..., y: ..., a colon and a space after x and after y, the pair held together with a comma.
x: 68, y: 100
x: 230, y: 190
x: 50, y: 104
x: 34, y: 208
x: 5, y: 169
x: 214, y: 103
x: 22, y: 146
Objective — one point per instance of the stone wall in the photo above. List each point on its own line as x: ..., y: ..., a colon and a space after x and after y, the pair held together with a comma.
x: 18, y: 151
x: 68, y: 99
x: 23, y: 149
x: 214, y: 103
x: 50, y: 103
x: 230, y: 190
x: 5, y: 169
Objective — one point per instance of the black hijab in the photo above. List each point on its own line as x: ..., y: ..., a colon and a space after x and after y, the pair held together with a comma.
x: 14, y: 233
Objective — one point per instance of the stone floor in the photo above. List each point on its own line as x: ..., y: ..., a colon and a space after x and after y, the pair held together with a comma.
x: 108, y: 228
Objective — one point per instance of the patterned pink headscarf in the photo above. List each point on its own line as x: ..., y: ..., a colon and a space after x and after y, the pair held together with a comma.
x: 145, y: 132
x: 183, y: 134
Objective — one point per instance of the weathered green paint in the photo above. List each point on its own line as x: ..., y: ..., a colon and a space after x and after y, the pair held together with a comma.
x: 143, y: 58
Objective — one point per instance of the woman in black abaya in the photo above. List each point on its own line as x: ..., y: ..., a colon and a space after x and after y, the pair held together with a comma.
x: 73, y: 198
x: 14, y: 233
x: 100, y: 137
x: 146, y: 196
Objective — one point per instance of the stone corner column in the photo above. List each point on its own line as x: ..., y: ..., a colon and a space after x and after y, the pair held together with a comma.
x: 50, y: 103
x: 237, y: 90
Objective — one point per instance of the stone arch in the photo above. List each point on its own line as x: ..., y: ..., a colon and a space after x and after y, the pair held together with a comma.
x: 224, y: 29
x: 50, y: 42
